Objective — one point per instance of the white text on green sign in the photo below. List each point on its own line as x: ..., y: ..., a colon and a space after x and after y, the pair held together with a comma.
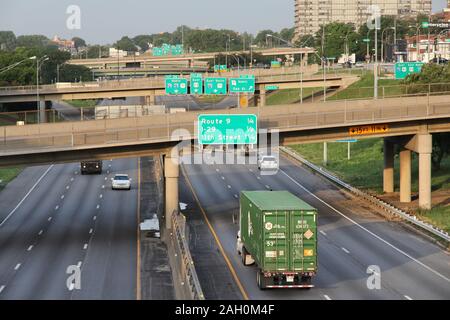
x: 176, y: 86
x: 215, y: 86
x: 227, y: 129
x: 242, y: 85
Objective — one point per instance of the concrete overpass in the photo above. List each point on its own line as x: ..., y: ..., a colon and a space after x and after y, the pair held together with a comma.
x: 147, y: 59
x: 409, y: 122
x: 150, y: 88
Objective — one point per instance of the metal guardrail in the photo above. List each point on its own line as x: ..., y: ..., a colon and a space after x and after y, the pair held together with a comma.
x: 184, y: 258
x: 372, y: 199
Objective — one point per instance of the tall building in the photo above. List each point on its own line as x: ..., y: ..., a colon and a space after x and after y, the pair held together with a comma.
x: 310, y: 15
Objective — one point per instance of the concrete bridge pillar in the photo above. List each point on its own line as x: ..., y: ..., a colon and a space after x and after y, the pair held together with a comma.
x: 42, y: 113
x: 405, y: 176
x: 388, y: 173
x: 425, y: 148
x: 150, y: 100
x: 171, y: 174
x: 261, y: 101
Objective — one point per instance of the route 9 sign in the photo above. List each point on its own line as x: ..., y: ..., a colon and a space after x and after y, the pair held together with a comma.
x: 227, y: 129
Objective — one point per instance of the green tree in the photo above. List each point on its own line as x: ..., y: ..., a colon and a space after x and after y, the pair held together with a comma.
x: 33, y: 41
x: 143, y: 41
x: 287, y: 34
x: 7, y: 40
x: 72, y: 73
x: 125, y: 44
x: 79, y: 43
x: 261, y: 38
x: 97, y: 51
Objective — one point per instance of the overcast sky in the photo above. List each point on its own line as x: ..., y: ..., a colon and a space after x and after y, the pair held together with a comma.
x: 105, y: 21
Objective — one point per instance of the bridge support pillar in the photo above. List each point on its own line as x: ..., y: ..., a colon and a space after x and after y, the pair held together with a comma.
x: 425, y: 147
x: 388, y: 173
x: 42, y: 113
x: 150, y: 100
x: 171, y: 174
x: 261, y: 100
x: 405, y: 176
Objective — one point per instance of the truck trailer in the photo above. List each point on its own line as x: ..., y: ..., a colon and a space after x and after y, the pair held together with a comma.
x: 278, y: 233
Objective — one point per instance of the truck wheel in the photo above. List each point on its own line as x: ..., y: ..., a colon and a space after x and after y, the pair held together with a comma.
x: 244, y: 255
x: 261, y: 281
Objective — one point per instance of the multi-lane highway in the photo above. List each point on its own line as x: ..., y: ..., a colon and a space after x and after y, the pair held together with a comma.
x: 352, y: 237
x: 52, y: 217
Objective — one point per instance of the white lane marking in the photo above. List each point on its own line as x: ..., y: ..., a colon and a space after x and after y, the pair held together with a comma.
x: 101, y: 196
x: 228, y: 186
x: 95, y: 218
x: 85, y: 246
x: 267, y: 187
x: 345, y: 250
x: 57, y: 207
x: 251, y: 170
x: 30, y: 248
x: 259, y: 178
x: 367, y: 230
x: 223, y: 178
x: 75, y: 173
x: 407, y: 297
x: 106, y: 178
x: 98, y: 206
x: 217, y: 170
x: 103, y: 186
x: 41, y: 232
x: 79, y: 264
x: 326, y: 297
x: 236, y: 196
x: 107, y: 171
x: 323, y: 232
x: 2, y: 288
x: 50, y: 219
x: 17, y: 266
x: 90, y: 231
x: 62, y: 197
x: 68, y: 187
x: 71, y: 179
x: 26, y: 196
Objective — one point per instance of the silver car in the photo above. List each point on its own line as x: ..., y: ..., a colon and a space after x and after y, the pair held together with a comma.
x: 121, y: 181
x: 268, y: 163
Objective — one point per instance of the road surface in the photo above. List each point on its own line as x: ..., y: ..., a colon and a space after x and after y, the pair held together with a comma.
x: 52, y: 217
x: 352, y: 237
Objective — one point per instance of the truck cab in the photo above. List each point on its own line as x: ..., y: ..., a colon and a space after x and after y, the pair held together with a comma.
x: 91, y: 166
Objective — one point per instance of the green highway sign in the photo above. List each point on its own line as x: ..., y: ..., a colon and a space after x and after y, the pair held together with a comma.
x: 220, y: 68
x: 176, y: 86
x: 242, y: 85
x: 215, y: 86
x: 196, y: 83
x: 403, y: 69
x: 425, y: 24
x: 247, y: 76
x: 227, y: 129
x: 272, y: 88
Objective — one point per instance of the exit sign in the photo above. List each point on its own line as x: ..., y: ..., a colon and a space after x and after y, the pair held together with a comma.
x: 219, y: 129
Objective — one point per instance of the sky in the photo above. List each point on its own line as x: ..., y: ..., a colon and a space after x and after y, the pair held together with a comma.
x: 105, y: 21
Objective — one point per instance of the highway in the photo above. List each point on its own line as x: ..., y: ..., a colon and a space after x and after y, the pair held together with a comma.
x: 52, y: 217
x: 352, y: 237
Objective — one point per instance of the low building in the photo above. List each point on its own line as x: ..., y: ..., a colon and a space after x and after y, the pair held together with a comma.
x: 64, y: 45
x: 425, y: 48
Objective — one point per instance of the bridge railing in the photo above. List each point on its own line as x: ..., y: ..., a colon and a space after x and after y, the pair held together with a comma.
x: 162, y: 128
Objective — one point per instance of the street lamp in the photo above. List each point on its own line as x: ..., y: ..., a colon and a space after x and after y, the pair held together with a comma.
x: 417, y: 39
x: 10, y: 67
x: 382, y: 42
x: 227, y: 48
x: 287, y: 42
x: 39, y: 64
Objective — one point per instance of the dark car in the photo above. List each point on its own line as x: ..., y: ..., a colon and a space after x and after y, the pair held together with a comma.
x: 94, y: 166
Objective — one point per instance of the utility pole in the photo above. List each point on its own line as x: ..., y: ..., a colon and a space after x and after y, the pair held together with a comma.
x: 375, y: 72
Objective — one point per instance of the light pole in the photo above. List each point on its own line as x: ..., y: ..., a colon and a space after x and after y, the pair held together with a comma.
x: 39, y: 64
x: 227, y: 48
x: 382, y: 42
x: 368, y: 47
x: 10, y: 67
x: 417, y: 39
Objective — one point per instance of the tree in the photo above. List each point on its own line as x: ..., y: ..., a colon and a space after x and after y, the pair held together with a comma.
x: 125, y: 44
x: 7, y: 40
x: 337, y: 36
x: 97, y: 51
x: 72, y: 73
x: 287, y: 34
x: 261, y: 37
x: 441, y: 148
x: 33, y: 41
x: 79, y: 43
x: 143, y: 41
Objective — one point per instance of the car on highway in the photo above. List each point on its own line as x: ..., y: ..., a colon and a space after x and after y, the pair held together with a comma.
x: 93, y: 166
x: 121, y: 182
x: 267, y: 163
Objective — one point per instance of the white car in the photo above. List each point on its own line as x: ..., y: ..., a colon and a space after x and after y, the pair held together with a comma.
x: 267, y: 163
x: 121, y: 181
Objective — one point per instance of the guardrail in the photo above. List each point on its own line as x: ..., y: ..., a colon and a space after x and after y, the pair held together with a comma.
x: 370, y: 198
x: 184, y: 258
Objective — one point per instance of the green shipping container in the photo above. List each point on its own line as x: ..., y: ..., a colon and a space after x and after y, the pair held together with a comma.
x: 279, y: 231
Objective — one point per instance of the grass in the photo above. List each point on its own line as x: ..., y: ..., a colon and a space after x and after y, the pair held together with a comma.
x: 209, y: 99
x: 82, y: 103
x: 289, y: 96
x: 7, y: 175
x: 364, y: 88
x: 365, y: 168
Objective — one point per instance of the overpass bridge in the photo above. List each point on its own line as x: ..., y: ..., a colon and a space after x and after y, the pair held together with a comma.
x: 153, y: 87
x: 146, y: 60
x: 409, y: 122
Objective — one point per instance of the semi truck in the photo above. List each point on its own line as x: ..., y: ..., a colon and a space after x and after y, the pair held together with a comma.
x: 93, y: 166
x: 278, y: 233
